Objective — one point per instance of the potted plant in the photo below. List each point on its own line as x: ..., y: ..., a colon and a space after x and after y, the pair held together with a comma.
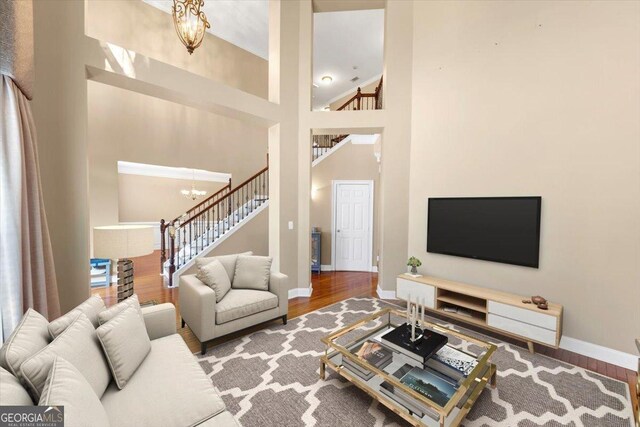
x: 414, y: 263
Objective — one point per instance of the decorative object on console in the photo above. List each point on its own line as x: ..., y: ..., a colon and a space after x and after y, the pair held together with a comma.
x: 122, y: 242
x: 414, y: 263
x: 540, y: 302
x: 190, y: 22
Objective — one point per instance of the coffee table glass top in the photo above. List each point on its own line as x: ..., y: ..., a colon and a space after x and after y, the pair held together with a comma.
x: 432, y: 394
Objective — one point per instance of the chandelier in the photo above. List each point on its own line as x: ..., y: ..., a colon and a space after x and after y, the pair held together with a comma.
x: 190, y: 22
x: 193, y: 194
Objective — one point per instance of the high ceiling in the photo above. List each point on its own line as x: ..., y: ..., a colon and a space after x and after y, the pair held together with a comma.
x: 346, y: 44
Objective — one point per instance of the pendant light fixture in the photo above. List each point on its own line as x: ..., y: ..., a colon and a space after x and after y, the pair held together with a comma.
x: 190, y: 22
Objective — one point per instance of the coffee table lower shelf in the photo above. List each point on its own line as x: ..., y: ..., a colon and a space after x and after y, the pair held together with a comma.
x: 453, y: 419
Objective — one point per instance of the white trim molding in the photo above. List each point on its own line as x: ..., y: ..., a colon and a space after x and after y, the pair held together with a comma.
x: 595, y: 351
x: 326, y: 267
x: 301, y: 292
x: 142, y: 169
x: 383, y: 294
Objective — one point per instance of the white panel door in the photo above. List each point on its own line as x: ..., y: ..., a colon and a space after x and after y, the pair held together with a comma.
x: 352, y: 227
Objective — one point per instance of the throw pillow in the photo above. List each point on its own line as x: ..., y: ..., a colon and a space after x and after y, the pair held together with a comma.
x: 90, y: 308
x: 65, y: 386
x: 29, y: 337
x: 111, y: 312
x: 252, y: 272
x: 79, y: 345
x: 214, y: 276
x: 125, y: 341
x: 11, y: 391
x: 227, y: 261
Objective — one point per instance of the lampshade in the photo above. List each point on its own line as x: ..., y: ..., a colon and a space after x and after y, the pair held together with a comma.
x: 122, y: 241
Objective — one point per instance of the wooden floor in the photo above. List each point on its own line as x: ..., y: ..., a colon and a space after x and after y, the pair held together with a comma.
x: 328, y: 288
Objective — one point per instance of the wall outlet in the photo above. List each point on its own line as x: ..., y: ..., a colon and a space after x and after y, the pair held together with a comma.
x: 290, y: 225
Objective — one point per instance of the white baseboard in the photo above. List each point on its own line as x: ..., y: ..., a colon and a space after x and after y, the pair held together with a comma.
x: 595, y: 351
x: 301, y: 292
x: 382, y: 294
x: 326, y: 267
x: 374, y: 268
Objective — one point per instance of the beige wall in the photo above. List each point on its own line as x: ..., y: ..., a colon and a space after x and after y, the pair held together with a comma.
x: 147, y: 30
x: 150, y: 198
x: 350, y: 162
x: 370, y: 88
x: 128, y: 126
x: 537, y: 98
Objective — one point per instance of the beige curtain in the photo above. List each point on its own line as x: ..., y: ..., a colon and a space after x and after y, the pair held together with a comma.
x: 27, y: 276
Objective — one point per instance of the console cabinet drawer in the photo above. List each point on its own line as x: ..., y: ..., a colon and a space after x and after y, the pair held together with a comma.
x: 523, y: 329
x: 523, y: 315
x: 405, y: 287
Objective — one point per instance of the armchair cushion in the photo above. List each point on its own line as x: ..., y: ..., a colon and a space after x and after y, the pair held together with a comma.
x: 240, y: 303
x: 29, y: 337
x: 125, y: 342
x: 215, y: 276
x: 227, y: 261
x: 91, y: 307
x: 67, y: 387
x: 252, y: 272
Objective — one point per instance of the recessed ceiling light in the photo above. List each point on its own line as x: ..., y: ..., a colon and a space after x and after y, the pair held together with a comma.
x: 327, y: 79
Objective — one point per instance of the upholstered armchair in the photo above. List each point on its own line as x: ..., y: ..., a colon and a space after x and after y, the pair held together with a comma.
x: 238, y: 309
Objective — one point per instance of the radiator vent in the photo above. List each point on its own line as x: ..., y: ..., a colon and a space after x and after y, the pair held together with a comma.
x: 355, y: 79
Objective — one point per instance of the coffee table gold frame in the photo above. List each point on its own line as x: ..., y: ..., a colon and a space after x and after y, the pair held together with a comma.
x: 484, y: 373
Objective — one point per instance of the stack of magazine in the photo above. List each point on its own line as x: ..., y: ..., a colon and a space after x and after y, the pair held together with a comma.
x: 373, y: 353
x: 438, y: 382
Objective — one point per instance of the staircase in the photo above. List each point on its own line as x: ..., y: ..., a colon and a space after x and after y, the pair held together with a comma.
x: 198, y: 229
x: 323, y: 144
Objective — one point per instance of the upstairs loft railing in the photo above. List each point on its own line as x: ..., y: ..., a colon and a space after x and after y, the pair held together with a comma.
x: 364, y: 101
x: 183, y: 238
x: 324, y: 143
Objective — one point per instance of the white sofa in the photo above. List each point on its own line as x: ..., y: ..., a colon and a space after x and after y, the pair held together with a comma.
x: 168, y: 389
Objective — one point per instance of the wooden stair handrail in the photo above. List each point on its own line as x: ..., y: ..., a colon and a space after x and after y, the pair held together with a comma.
x: 226, y: 196
x: 359, y: 95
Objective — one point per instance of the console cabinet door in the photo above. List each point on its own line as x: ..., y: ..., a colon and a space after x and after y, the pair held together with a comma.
x: 420, y: 291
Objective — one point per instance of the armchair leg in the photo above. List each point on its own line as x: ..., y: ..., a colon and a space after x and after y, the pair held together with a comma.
x: 183, y: 323
x: 203, y: 347
x: 284, y: 319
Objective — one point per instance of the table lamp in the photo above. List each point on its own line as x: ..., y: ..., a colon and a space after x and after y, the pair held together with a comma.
x: 122, y: 242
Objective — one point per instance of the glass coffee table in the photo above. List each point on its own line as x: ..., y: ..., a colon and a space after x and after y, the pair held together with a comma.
x: 439, y: 392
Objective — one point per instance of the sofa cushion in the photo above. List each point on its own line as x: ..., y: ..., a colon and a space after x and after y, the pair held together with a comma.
x: 78, y: 345
x: 91, y: 307
x: 168, y: 389
x: 65, y: 386
x: 240, y: 303
x: 111, y: 312
x: 223, y: 419
x: 227, y: 261
x: 125, y: 342
x: 29, y: 337
x: 11, y: 391
x: 215, y: 276
x: 252, y: 272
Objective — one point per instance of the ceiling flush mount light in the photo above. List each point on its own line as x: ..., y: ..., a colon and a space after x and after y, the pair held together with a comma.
x: 193, y: 194
x: 327, y: 80
x: 190, y: 22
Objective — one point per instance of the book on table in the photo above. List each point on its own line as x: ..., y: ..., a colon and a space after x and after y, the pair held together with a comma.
x: 371, y: 352
x: 435, y: 387
x: 388, y: 389
x: 399, y: 339
x: 452, y: 362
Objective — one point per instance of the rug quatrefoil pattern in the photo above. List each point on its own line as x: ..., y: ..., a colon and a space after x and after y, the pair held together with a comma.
x: 271, y: 378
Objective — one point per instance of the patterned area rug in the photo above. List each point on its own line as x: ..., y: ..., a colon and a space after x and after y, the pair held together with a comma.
x: 271, y: 378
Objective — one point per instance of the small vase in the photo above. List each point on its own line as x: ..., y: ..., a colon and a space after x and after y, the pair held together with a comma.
x: 414, y: 270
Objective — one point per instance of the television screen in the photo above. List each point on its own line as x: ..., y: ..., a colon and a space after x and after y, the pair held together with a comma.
x: 501, y: 229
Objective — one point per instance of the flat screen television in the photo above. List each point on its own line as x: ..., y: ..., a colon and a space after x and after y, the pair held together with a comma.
x: 500, y: 229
